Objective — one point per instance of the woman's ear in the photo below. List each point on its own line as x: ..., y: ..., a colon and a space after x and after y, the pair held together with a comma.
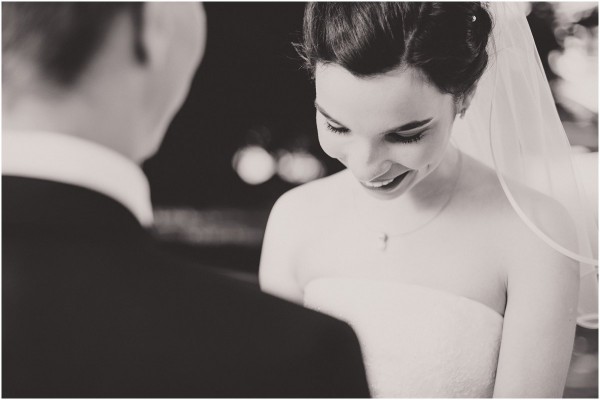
x: 468, y: 97
x: 464, y: 102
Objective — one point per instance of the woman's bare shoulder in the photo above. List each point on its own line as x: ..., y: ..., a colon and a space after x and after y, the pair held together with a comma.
x: 316, y: 196
x: 481, y: 184
x: 480, y: 189
x: 302, y: 210
x: 511, y: 227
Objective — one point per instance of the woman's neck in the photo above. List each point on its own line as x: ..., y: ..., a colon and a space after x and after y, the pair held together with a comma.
x: 417, y: 206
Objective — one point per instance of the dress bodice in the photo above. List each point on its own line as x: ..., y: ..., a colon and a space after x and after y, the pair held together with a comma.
x: 416, y: 341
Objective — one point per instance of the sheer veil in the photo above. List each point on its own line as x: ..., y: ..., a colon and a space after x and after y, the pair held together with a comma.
x: 512, y: 125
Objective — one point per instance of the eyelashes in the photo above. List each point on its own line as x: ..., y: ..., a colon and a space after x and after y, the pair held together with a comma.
x: 397, y: 138
x: 335, y: 129
x: 390, y: 137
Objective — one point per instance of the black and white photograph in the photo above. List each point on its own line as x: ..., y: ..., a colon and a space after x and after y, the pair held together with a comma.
x: 299, y: 199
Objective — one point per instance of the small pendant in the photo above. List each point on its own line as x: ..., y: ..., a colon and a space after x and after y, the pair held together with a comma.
x: 382, y: 240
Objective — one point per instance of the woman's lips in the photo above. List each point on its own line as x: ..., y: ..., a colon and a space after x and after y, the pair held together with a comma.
x: 385, y: 185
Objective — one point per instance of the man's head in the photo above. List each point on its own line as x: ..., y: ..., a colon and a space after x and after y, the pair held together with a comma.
x: 113, y: 73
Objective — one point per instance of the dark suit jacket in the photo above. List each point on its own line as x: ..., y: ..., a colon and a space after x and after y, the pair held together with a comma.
x: 91, y: 308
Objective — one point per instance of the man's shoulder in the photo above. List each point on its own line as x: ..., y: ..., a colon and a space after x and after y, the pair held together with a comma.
x: 129, y: 302
x: 255, y: 331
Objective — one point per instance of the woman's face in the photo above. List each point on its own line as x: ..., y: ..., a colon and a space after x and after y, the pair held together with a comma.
x: 391, y: 131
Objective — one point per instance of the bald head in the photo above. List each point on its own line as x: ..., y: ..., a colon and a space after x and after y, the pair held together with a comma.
x: 100, y: 69
x: 59, y: 39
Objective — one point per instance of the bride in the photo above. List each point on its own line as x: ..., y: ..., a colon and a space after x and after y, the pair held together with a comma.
x: 439, y: 242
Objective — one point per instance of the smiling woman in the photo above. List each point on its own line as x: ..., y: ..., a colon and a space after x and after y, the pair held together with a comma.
x: 391, y: 126
x: 417, y: 244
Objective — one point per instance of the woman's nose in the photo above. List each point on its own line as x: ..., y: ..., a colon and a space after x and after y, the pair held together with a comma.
x: 367, y: 162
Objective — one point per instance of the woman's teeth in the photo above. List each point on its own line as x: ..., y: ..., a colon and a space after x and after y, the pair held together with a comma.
x: 378, y: 184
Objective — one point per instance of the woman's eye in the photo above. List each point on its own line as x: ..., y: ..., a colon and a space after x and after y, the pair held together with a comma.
x: 398, y: 138
x: 336, y: 129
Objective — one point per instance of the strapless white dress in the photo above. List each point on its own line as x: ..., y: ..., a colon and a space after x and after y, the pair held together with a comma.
x: 416, y: 341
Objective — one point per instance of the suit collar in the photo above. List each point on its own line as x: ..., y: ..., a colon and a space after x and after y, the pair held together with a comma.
x: 66, y: 159
x: 52, y: 209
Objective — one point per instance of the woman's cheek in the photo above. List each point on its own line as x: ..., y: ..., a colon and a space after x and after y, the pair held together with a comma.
x: 414, y: 155
x: 329, y: 144
x: 434, y: 148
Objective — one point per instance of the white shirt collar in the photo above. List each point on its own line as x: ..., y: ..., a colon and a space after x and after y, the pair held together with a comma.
x: 67, y: 159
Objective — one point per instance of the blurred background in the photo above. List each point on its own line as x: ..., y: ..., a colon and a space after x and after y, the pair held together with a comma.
x: 246, y: 135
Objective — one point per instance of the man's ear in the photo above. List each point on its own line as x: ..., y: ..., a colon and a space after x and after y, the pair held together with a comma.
x: 153, y: 35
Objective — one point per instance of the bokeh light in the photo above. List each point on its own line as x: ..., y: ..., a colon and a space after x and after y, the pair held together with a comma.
x: 254, y: 165
x: 299, y: 167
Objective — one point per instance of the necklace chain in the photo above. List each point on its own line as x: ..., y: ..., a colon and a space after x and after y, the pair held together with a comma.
x: 384, y: 237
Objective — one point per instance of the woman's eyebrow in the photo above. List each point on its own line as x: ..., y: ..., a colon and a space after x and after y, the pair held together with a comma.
x: 410, y: 126
x: 405, y: 127
x: 326, y: 115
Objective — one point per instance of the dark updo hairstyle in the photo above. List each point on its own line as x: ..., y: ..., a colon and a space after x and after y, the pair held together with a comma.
x: 445, y: 41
